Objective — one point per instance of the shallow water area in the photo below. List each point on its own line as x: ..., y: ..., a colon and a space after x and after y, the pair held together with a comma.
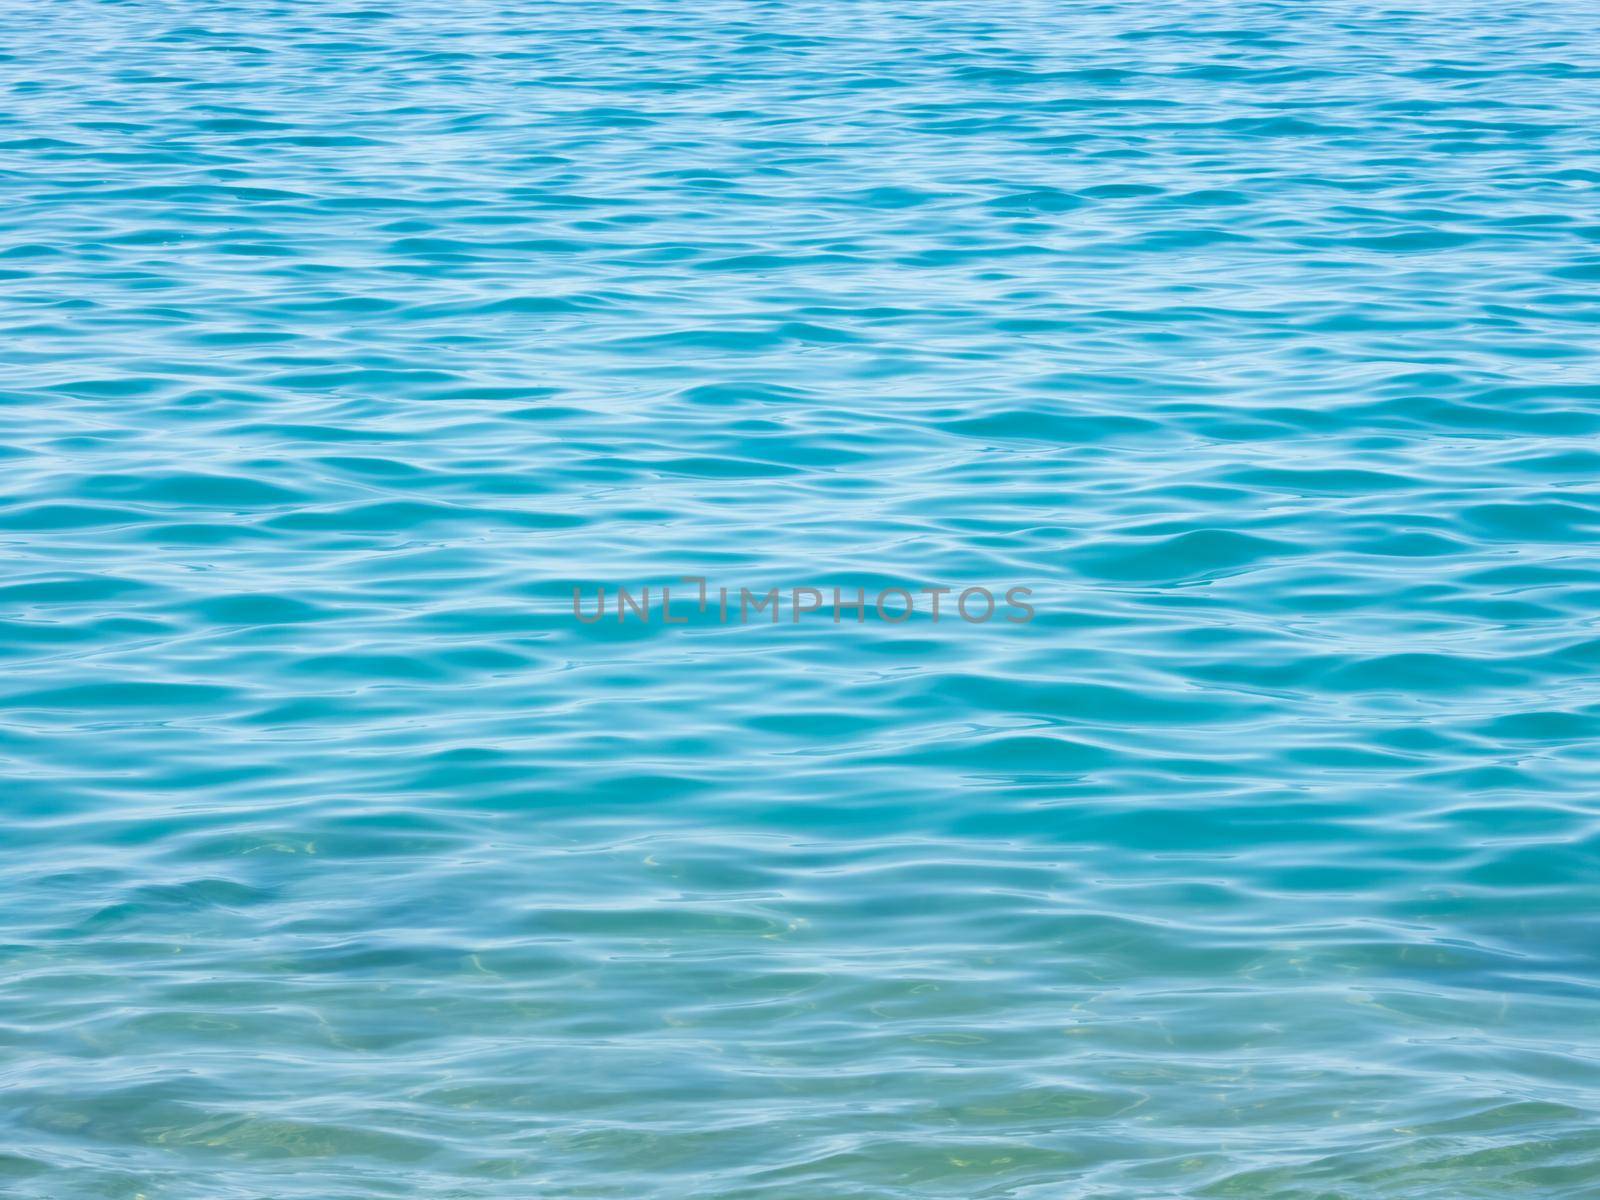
x: 339, y: 342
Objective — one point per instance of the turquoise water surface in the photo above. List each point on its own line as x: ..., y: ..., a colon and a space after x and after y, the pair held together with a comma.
x: 340, y: 341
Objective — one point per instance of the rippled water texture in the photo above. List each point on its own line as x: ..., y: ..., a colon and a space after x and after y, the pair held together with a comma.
x: 338, y: 861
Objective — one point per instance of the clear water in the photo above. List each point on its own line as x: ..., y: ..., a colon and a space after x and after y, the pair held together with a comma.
x: 342, y: 340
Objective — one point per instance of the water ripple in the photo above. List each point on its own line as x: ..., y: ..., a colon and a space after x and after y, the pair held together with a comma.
x: 343, y: 341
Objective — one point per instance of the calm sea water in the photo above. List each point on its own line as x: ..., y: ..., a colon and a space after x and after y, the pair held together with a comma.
x: 341, y: 340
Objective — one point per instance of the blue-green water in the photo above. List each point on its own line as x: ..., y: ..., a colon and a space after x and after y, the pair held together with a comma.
x: 339, y: 861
